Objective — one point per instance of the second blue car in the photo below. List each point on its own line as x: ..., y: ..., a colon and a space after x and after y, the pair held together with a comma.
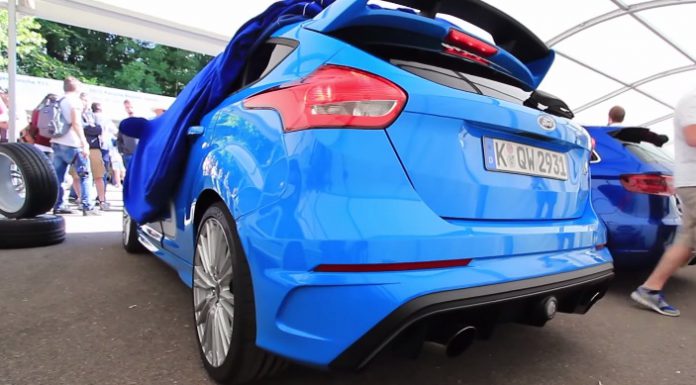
x: 633, y: 193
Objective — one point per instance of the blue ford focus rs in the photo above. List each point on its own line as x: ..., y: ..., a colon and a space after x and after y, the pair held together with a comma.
x: 381, y: 177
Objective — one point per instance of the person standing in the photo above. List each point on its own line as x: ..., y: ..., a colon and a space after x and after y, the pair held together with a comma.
x: 106, y: 140
x: 649, y: 294
x: 72, y: 148
x: 93, y: 132
x: 4, y: 116
x: 127, y: 144
x: 616, y: 116
x: 117, y: 167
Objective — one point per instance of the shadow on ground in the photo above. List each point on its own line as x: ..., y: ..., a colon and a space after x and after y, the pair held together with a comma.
x: 86, y: 312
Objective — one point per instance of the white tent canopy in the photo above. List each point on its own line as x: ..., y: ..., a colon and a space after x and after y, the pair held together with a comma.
x: 640, y: 54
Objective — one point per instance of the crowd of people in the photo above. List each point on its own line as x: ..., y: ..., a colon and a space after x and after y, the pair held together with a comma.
x: 92, y: 151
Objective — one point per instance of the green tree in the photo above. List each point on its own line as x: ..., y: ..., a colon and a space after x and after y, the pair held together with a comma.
x: 31, y: 57
x: 53, y: 50
x: 121, y: 62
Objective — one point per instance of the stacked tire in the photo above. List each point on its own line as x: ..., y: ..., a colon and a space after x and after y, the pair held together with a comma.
x: 28, y: 189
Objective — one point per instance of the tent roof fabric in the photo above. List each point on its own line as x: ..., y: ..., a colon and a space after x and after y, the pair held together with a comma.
x: 636, y: 53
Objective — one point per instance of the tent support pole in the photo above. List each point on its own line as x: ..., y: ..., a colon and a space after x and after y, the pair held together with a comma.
x: 12, y: 69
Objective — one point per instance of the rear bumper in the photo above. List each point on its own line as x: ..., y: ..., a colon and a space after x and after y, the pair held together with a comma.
x: 576, y: 291
x: 315, y: 317
x: 347, y: 201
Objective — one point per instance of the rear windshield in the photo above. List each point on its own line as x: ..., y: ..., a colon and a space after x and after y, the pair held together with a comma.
x: 405, y: 49
x: 649, y: 153
x: 464, y: 81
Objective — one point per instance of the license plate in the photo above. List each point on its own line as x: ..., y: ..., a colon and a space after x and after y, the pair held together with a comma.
x: 506, y: 156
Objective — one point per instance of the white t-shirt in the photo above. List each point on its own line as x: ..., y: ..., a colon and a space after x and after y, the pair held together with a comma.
x: 684, y: 155
x: 109, y: 130
x: 70, y: 101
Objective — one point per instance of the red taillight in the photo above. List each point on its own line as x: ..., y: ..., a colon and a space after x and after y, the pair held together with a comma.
x: 377, y: 267
x: 334, y: 96
x: 469, y: 43
x: 648, y: 184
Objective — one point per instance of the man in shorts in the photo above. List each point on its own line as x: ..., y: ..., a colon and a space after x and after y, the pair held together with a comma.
x: 650, y: 293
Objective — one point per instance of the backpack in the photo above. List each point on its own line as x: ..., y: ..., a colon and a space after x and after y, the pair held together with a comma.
x: 50, y: 121
x: 92, y: 130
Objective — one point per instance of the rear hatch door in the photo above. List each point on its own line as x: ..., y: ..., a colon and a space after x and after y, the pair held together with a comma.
x: 466, y: 138
x: 470, y: 156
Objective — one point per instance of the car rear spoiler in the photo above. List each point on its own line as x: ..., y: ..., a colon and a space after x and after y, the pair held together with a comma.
x: 635, y: 135
x: 507, y: 32
x: 523, y: 55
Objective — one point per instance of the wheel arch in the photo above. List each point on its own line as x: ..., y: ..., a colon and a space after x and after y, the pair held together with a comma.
x: 206, y: 198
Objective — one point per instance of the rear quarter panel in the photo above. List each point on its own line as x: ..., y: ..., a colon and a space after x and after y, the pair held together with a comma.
x: 241, y: 155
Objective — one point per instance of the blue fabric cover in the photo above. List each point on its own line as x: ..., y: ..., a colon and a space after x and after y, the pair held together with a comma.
x: 159, y: 160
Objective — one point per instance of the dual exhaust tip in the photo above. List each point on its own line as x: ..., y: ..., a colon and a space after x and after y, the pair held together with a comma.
x: 463, y: 338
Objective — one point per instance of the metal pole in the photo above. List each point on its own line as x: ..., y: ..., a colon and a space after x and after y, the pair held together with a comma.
x: 12, y: 68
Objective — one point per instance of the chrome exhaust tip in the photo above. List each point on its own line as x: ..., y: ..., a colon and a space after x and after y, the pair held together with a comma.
x: 550, y: 307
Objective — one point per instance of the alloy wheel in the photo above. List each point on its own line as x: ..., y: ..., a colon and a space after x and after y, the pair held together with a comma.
x: 213, y: 299
x: 13, y: 193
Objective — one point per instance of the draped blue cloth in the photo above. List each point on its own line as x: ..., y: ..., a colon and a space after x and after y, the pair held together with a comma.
x: 159, y: 160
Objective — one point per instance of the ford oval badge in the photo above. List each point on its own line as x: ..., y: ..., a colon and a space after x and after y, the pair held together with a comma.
x: 547, y: 122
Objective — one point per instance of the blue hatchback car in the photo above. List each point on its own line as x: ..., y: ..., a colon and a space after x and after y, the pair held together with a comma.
x: 633, y: 193
x: 381, y: 177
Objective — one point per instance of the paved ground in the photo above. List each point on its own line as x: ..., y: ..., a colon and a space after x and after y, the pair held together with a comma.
x: 85, y: 312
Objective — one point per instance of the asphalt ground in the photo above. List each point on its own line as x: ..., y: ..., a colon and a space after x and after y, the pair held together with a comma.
x: 86, y: 312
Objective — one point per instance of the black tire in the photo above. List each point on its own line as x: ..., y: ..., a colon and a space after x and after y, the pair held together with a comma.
x: 42, y: 230
x: 129, y: 235
x: 244, y: 362
x: 39, y: 177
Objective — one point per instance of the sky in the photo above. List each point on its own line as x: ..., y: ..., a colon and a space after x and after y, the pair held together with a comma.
x: 623, y: 49
x: 206, y: 15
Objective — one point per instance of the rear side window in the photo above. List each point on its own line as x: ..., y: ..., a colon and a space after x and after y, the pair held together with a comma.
x: 266, y: 58
x: 278, y: 53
